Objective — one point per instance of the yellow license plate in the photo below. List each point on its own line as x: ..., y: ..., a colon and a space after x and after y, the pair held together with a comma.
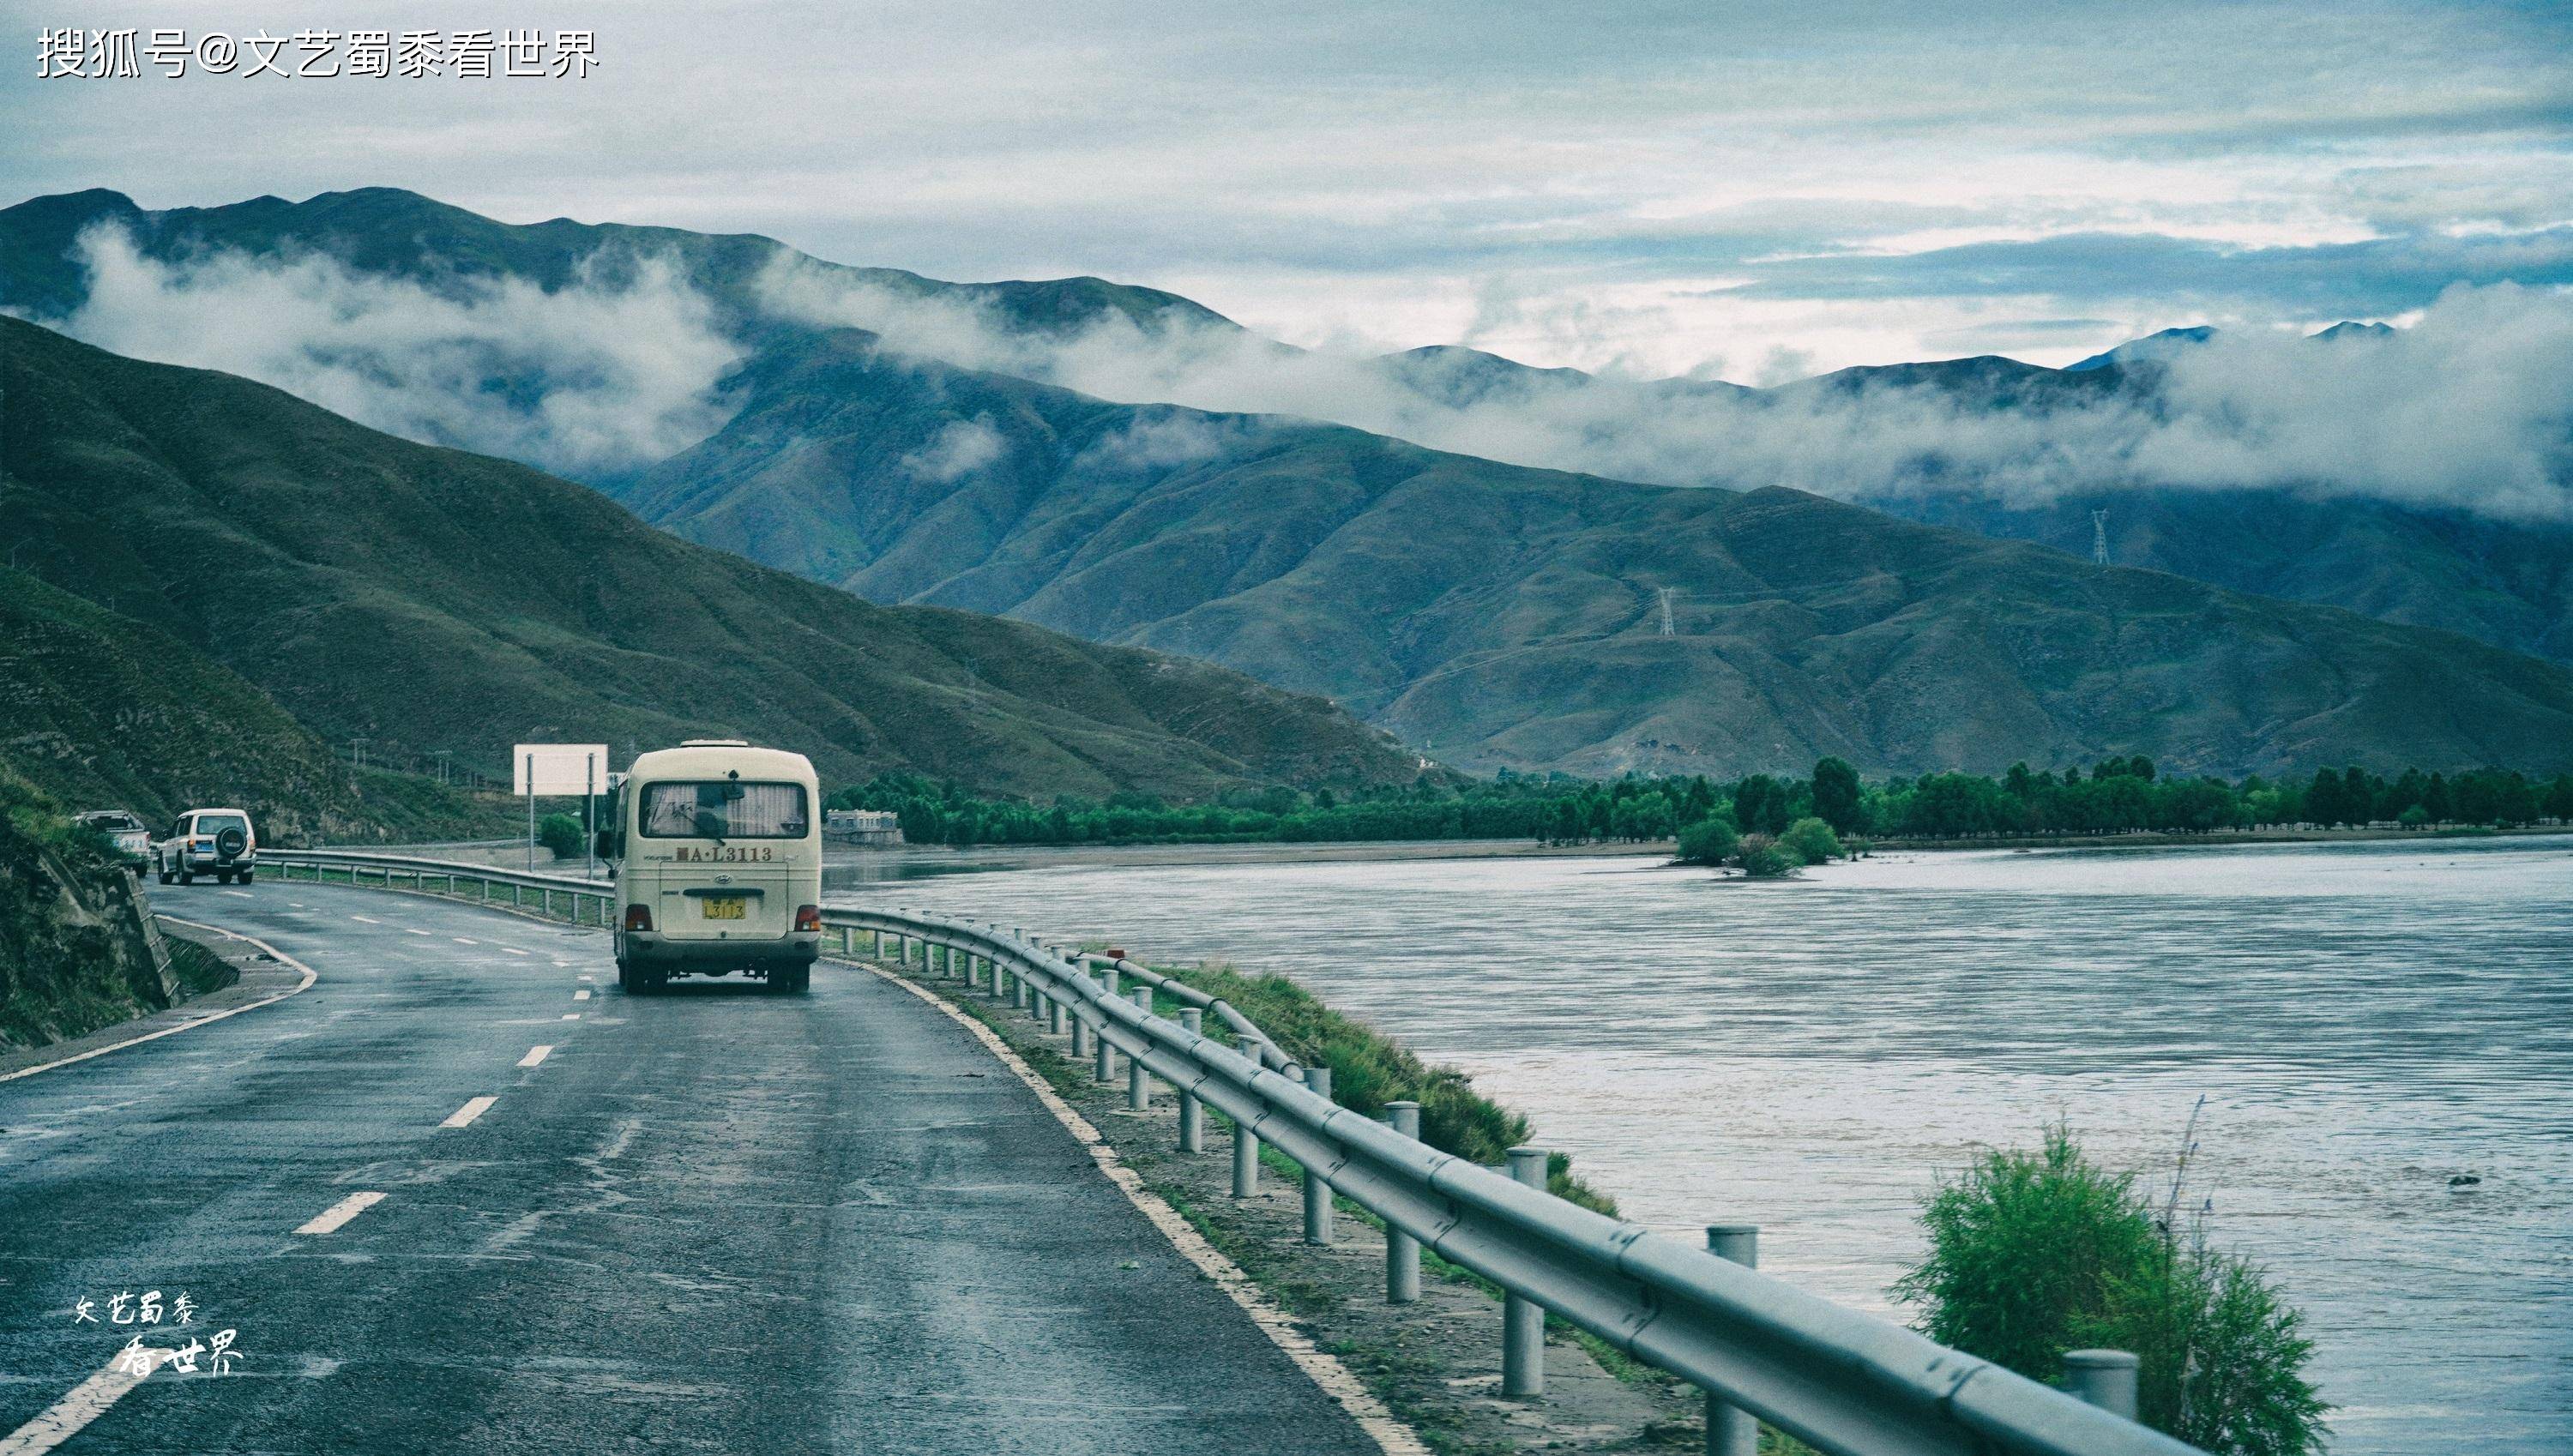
x: 725, y: 907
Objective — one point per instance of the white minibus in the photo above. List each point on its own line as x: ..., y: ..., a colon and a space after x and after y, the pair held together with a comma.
x: 719, y: 853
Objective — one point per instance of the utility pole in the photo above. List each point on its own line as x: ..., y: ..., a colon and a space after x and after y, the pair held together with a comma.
x: 446, y: 770
x: 2100, y: 537
x: 357, y: 753
x: 1668, y: 630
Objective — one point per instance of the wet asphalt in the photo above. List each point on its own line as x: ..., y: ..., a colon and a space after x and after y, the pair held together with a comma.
x: 713, y: 1219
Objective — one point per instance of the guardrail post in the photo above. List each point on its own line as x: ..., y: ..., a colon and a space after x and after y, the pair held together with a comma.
x: 1138, y: 1083
x: 1055, y: 1015
x: 1401, y: 1251
x: 1731, y: 1430
x: 1021, y: 993
x: 1317, y: 1193
x: 1523, y: 1320
x: 2105, y: 1378
x: 1080, y: 1037
x: 1104, y: 1068
x: 1245, y: 1162
x: 1191, y: 1111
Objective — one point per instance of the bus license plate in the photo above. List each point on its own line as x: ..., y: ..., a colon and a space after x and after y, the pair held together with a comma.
x: 725, y: 907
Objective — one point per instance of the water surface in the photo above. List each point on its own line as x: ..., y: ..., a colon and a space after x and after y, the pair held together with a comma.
x: 2366, y: 1023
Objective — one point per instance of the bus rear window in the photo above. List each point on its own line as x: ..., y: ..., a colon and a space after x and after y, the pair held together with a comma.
x: 723, y: 809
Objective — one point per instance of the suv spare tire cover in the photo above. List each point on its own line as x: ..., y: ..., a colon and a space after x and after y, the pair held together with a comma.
x: 230, y: 843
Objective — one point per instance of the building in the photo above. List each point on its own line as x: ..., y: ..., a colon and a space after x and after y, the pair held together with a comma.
x: 875, y: 827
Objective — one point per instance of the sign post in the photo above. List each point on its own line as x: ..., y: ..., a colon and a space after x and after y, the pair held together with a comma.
x: 556, y: 768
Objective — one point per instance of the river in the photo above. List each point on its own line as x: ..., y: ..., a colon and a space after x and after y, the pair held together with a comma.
x: 2368, y: 1024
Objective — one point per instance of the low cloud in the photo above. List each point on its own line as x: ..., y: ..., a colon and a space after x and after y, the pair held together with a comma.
x: 2464, y: 408
x: 586, y: 379
x: 958, y: 450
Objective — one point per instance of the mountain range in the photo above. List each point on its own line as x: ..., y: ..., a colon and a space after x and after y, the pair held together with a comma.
x: 261, y: 578
x: 1500, y: 614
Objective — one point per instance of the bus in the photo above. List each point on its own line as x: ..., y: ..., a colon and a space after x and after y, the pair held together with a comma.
x: 717, y: 850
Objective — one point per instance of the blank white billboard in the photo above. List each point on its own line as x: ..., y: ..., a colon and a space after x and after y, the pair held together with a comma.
x: 558, y: 768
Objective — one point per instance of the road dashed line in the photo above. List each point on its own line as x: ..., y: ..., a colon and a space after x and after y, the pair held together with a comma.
x: 571, y: 1016
x: 463, y: 1117
x: 515, y: 951
x: 535, y: 1056
x: 462, y: 940
x: 242, y: 894
x: 83, y: 1404
x: 330, y: 1220
x: 582, y: 994
x: 365, y: 920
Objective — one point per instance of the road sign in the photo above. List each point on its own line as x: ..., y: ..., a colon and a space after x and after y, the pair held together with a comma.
x: 558, y: 768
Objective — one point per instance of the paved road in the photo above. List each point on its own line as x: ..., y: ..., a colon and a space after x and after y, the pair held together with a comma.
x: 710, y: 1221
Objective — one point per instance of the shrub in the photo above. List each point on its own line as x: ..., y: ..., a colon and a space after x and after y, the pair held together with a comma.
x: 1370, y: 1068
x: 1710, y: 840
x: 2033, y: 1255
x: 1761, y: 859
x: 561, y: 834
x: 1811, y: 840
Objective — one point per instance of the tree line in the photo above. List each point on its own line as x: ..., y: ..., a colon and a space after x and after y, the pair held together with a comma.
x: 2114, y: 796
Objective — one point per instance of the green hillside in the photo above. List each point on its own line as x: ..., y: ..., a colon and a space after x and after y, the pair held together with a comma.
x: 1511, y: 617
x: 100, y: 711
x: 428, y: 599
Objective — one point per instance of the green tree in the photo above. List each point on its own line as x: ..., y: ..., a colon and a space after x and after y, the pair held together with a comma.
x: 1810, y: 840
x: 1837, y: 797
x: 561, y: 834
x: 1710, y: 840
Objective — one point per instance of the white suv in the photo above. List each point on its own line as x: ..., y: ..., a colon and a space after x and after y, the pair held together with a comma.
x: 215, y: 842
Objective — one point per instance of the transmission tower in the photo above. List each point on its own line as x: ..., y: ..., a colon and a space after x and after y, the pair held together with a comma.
x: 1668, y: 630
x: 2100, y: 537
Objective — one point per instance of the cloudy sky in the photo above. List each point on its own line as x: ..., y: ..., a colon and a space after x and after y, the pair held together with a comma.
x: 1745, y: 192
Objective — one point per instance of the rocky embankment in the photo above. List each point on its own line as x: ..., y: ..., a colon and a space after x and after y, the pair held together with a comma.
x: 78, y: 947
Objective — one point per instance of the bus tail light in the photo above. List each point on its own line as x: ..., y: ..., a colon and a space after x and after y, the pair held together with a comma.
x: 808, y: 918
x: 638, y: 916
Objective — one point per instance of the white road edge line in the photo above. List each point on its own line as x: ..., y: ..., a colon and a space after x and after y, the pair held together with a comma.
x: 535, y: 1056
x: 330, y: 1220
x: 189, y: 1025
x: 1391, y: 1435
x: 83, y: 1404
x: 463, y: 1117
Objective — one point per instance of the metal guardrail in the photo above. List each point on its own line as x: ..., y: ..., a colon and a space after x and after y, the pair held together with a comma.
x: 1847, y: 1383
